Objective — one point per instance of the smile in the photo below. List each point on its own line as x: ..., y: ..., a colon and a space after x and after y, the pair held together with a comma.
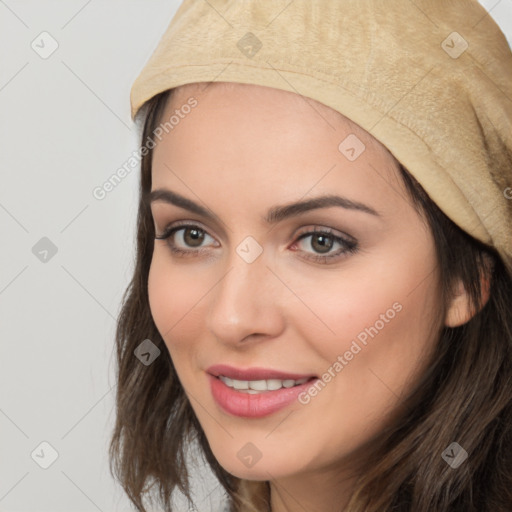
x: 261, y: 386
x: 271, y: 396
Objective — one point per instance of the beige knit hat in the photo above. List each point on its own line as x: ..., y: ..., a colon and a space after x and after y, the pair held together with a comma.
x: 430, y: 79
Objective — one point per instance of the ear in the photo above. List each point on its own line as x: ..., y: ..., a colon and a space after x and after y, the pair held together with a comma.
x: 460, y: 310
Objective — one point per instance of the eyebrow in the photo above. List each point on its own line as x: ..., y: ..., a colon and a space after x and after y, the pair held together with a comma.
x: 274, y: 214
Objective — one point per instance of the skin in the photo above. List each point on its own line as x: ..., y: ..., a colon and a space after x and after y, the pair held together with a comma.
x: 242, y: 150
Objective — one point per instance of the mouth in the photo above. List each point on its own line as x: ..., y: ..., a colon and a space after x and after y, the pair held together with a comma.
x: 256, y: 374
x: 254, y: 387
x: 255, y: 392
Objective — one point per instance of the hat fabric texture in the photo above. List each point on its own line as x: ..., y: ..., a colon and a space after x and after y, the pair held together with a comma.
x: 430, y: 79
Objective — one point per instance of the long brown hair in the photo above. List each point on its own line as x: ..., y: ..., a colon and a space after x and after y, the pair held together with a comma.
x: 465, y: 395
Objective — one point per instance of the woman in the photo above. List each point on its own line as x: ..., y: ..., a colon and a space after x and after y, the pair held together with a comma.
x: 322, y: 294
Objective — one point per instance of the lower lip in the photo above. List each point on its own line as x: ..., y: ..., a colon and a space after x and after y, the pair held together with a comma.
x: 248, y: 405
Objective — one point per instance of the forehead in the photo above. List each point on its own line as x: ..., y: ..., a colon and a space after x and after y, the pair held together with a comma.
x: 254, y: 135
x: 266, y: 99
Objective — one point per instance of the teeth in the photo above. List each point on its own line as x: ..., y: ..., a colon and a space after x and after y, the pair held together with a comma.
x: 239, y: 384
x: 255, y: 386
x: 273, y: 384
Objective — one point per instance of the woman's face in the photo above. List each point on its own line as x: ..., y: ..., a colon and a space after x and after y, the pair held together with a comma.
x: 355, y: 306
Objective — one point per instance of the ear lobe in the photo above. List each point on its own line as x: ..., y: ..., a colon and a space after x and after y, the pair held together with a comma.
x: 460, y: 310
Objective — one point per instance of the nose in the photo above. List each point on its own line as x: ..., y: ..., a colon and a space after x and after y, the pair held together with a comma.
x: 247, y: 302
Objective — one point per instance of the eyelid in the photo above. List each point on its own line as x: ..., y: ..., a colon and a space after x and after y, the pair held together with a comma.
x: 166, y: 210
x: 178, y: 223
x: 301, y: 231
x: 324, y: 229
x: 171, y: 227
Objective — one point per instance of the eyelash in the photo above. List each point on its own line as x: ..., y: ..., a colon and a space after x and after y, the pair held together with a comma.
x: 351, y: 246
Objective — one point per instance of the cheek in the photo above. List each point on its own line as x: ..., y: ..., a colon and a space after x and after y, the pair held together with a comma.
x: 161, y: 294
x: 383, y: 320
x: 174, y: 300
x: 382, y: 342
x: 349, y: 306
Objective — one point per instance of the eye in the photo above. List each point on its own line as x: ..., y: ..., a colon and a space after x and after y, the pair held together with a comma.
x: 323, y: 240
x: 191, y: 236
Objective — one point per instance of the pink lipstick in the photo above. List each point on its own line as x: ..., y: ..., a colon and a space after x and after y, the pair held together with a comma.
x: 255, y: 392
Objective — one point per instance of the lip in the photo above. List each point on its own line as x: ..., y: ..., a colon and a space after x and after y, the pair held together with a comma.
x: 255, y: 373
x: 246, y: 405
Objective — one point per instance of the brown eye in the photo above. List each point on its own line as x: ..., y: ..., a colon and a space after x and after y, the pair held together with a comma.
x: 185, y: 239
x: 192, y: 236
x: 322, y: 241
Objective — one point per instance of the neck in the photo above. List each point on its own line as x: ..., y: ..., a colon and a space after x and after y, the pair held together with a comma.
x: 312, y: 493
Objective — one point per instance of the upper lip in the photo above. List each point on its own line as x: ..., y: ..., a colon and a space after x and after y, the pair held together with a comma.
x: 254, y: 373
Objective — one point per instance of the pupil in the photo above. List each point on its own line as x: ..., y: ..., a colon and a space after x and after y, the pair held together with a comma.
x: 323, y: 246
x: 197, y: 236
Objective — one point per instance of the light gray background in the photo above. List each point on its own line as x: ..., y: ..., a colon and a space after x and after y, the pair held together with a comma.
x: 65, y: 128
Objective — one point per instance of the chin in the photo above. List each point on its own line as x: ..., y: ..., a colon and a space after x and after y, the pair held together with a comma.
x: 261, y: 470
